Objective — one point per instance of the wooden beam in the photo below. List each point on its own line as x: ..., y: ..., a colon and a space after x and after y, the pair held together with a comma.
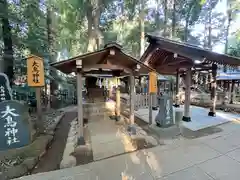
x: 174, y: 49
x: 175, y: 67
x: 172, y: 62
x: 117, y: 65
x: 103, y: 59
x: 166, y: 57
x: 148, y: 53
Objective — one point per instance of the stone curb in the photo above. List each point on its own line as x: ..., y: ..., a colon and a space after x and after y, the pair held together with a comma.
x: 68, y: 160
x: 52, y: 128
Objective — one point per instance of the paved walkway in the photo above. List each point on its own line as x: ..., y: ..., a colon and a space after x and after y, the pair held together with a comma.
x: 199, y: 117
x: 107, y: 138
x: 211, y: 157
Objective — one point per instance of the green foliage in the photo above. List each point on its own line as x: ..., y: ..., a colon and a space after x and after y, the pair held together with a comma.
x: 118, y: 21
x: 235, y: 51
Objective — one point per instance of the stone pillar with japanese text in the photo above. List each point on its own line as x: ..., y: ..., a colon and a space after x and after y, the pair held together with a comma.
x: 15, y: 127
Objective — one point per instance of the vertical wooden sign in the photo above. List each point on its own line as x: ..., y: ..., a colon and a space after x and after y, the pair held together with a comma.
x: 152, y: 85
x: 35, y: 78
x: 35, y: 72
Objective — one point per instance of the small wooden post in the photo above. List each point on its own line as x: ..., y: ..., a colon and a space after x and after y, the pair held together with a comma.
x: 225, y: 87
x: 232, y: 92
x: 132, y: 99
x: 212, y: 111
x: 187, y: 101
x: 150, y: 108
x: 81, y: 140
x: 177, y: 90
x: 131, y: 127
x: 39, y: 110
x: 152, y: 89
x: 118, y: 102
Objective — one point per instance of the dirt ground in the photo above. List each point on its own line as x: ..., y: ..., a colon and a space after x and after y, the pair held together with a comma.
x: 51, y: 160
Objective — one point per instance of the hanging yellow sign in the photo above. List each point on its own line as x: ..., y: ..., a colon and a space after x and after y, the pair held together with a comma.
x: 35, y: 71
x: 152, y: 82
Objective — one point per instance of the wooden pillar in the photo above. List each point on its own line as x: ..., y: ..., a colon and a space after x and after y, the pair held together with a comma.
x: 118, y: 102
x: 232, y: 92
x: 81, y: 140
x: 225, y: 90
x: 187, y: 101
x: 39, y: 123
x: 177, y: 90
x: 212, y: 111
x: 131, y: 127
x: 140, y: 84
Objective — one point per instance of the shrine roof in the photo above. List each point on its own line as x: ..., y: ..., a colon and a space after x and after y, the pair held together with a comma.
x: 104, y: 61
x: 228, y: 76
x: 166, y: 56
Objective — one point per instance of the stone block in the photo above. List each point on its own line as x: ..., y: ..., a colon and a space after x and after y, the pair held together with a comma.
x: 15, y: 171
x: 30, y: 162
x: 151, y: 140
x: 72, y: 139
x: 68, y: 162
x: 166, y: 133
x: 69, y: 148
x: 72, y: 133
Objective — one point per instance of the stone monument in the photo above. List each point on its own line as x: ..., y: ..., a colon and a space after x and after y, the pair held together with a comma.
x: 5, y: 90
x: 164, y: 117
x: 15, y: 127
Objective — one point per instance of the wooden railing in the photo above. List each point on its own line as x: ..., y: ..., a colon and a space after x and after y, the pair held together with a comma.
x: 141, y: 101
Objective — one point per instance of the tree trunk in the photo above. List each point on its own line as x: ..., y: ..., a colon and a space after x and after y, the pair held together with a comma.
x: 174, y: 20
x: 8, y: 59
x: 91, y: 39
x: 53, y: 83
x: 157, y: 16
x: 96, y: 21
x: 165, y: 18
x: 142, y: 36
x: 226, y: 39
x: 210, y: 29
x: 186, y: 30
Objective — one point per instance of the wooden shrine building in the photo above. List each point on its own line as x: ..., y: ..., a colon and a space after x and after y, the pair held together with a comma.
x: 170, y: 57
x: 110, y: 60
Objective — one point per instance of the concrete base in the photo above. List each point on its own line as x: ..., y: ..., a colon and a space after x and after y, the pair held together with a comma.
x: 188, y: 133
x: 163, y: 126
x: 132, y: 130
x: 112, y: 117
x: 81, y: 141
x: 117, y: 118
x: 186, y: 119
x: 85, y: 120
x: 213, y: 114
x: 167, y: 133
x: 176, y: 105
x: 155, y: 108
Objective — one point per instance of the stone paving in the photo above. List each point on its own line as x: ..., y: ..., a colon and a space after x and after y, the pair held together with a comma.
x: 106, y: 138
x: 216, y: 156
x: 199, y: 117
